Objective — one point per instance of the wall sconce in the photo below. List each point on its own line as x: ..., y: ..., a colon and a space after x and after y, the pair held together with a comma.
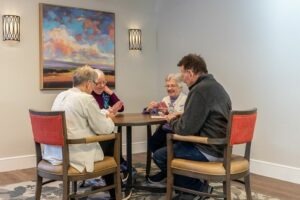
x: 11, y: 27
x: 135, y: 39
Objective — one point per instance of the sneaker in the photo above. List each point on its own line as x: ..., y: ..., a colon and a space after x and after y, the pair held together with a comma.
x: 160, y: 177
x: 101, y: 181
x: 88, y: 183
x: 123, y: 166
x: 97, y: 182
x: 126, y: 175
x: 126, y: 194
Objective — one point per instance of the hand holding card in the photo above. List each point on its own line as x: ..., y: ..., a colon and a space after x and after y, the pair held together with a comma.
x: 162, y: 107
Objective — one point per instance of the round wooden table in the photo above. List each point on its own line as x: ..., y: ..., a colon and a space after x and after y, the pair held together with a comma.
x: 136, y: 119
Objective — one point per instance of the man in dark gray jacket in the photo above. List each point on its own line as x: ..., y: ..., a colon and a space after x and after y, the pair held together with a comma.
x: 206, y: 113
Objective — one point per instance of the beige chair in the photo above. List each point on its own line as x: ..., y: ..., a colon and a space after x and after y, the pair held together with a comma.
x: 50, y: 128
x: 240, y: 130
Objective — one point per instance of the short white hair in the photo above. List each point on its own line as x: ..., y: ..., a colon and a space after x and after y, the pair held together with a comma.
x: 83, y: 74
x: 100, y: 73
x: 176, y: 77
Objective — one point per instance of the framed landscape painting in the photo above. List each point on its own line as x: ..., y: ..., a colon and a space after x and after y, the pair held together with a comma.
x: 72, y: 37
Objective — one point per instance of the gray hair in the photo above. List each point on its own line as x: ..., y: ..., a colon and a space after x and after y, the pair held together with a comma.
x: 100, y: 73
x: 176, y: 77
x: 84, y: 74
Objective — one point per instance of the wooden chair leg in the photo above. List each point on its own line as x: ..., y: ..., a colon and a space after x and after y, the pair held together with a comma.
x: 224, y: 189
x: 117, y: 181
x: 228, y: 190
x: 248, y: 187
x: 170, y: 182
x: 38, y: 189
x: 66, y: 189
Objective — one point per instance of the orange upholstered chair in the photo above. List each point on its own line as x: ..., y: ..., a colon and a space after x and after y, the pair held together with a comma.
x: 50, y: 128
x: 240, y: 130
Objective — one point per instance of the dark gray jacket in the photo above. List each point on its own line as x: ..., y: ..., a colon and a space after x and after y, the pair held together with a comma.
x: 206, y: 113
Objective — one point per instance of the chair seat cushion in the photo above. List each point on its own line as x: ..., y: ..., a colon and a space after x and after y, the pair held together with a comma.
x: 105, y: 164
x: 238, y: 165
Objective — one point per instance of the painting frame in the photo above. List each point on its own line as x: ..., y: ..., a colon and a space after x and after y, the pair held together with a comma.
x: 70, y: 37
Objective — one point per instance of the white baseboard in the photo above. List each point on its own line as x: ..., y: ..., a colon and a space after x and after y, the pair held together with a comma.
x: 137, y: 147
x: 28, y: 161
x: 277, y: 171
x: 17, y: 162
x: 273, y: 170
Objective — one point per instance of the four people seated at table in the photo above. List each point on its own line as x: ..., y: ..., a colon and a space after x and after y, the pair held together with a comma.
x: 203, y: 112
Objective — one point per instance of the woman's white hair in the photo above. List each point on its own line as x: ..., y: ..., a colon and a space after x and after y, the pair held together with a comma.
x: 83, y: 74
x: 176, y: 77
x: 100, y: 73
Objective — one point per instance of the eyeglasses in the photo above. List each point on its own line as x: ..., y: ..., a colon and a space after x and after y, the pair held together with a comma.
x: 101, y: 83
x: 92, y: 81
x: 171, y: 86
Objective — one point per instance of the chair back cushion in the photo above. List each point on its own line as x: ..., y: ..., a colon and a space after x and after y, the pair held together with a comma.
x: 242, y: 127
x: 48, y: 129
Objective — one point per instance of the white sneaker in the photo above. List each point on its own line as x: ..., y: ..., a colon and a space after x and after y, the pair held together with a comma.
x: 126, y: 195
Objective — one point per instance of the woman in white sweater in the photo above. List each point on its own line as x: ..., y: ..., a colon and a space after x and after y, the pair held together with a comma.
x: 173, y: 103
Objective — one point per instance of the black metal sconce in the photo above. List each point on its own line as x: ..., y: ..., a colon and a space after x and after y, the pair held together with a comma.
x: 11, y: 27
x: 135, y: 39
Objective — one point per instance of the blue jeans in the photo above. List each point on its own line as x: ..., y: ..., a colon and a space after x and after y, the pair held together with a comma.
x: 183, y: 150
x: 159, y: 138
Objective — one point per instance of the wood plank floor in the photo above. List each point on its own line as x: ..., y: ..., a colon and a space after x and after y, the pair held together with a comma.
x: 269, y: 186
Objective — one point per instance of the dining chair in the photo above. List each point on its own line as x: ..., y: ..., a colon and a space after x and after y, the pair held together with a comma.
x: 240, y: 130
x: 50, y: 128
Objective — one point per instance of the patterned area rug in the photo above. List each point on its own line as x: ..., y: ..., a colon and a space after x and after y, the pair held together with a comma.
x: 52, y: 191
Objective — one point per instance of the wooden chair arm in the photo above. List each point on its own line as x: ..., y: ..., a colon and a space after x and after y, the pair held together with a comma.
x: 198, y: 139
x: 93, y: 139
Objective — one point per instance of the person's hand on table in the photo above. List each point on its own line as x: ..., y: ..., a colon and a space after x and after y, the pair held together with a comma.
x: 110, y: 114
x: 152, y: 104
x: 117, y: 106
x: 163, y: 108
x: 172, y: 116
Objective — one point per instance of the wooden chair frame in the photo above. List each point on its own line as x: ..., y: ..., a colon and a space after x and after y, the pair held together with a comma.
x: 64, y: 174
x: 224, y: 178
